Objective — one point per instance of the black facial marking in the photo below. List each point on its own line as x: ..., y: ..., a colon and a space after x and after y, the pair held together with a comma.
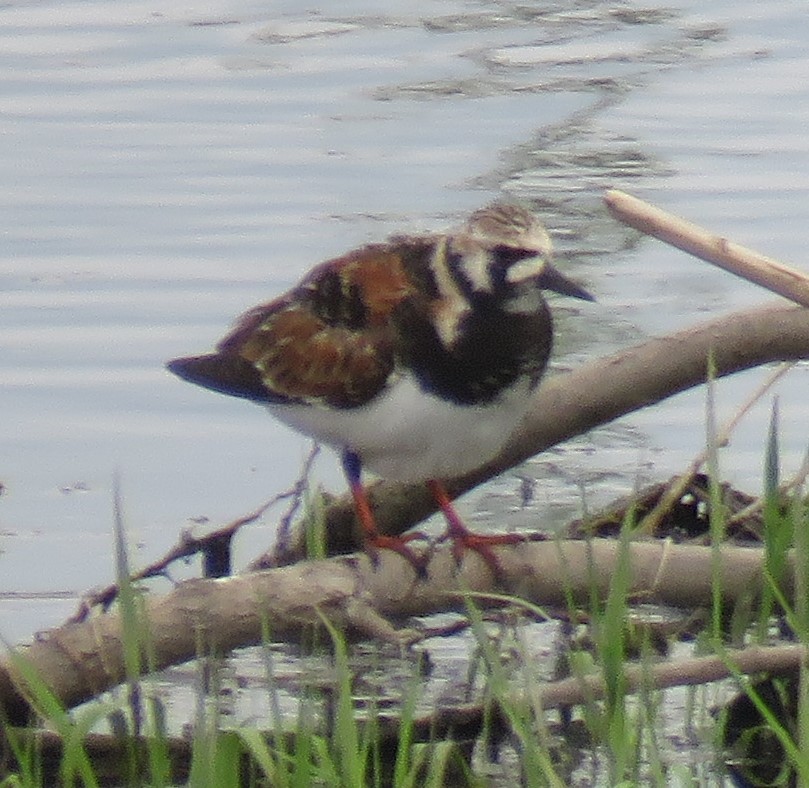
x: 494, y: 348
x: 457, y: 270
x: 503, y: 259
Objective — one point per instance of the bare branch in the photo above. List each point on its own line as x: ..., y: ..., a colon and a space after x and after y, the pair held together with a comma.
x: 775, y: 660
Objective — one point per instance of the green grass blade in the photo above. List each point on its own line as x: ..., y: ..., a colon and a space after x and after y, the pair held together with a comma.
x: 778, y: 527
x: 350, y: 755
x: 538, y: 766
x: 717, y: 509
x: 76, y: 763
x: 255, y: 744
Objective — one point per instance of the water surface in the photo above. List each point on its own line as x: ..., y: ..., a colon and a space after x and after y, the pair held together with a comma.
x: 166, y: 168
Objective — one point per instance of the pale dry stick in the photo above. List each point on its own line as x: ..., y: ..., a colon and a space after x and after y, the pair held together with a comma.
x: 777, y: 660
x: 678, y: 486
x: 712, y: 248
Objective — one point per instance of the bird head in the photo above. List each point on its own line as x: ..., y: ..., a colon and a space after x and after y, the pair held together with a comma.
x: 514, y: 253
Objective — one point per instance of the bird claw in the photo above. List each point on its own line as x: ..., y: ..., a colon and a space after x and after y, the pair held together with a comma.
x: 481, y: 544
x: 398, y: 544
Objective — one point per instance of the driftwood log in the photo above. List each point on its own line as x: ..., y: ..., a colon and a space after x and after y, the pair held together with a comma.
x: 213, y: 617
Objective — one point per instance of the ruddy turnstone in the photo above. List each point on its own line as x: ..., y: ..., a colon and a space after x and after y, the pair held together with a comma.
x: 415, y: 358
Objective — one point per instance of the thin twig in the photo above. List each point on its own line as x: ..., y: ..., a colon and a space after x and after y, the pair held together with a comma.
x: 285, y: 528
x: 189, y: 545
x: 788, y: 486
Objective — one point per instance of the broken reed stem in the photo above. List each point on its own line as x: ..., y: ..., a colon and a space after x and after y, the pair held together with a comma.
x: 678, y: 486
x: 714, y: 249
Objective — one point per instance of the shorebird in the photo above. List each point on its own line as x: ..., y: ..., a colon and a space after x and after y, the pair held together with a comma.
x: 415, y: 358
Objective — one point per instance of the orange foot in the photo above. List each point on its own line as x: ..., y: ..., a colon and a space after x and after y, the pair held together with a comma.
x: 463, y: 539
x: 374, y: 541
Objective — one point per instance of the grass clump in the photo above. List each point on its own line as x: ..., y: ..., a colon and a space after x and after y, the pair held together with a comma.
x: 332, y: 742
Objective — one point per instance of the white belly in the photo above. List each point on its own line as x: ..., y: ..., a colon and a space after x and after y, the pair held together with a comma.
x: 406, y: 434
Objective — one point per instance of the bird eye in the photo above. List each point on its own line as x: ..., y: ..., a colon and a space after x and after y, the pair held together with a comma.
x: 519, y: 264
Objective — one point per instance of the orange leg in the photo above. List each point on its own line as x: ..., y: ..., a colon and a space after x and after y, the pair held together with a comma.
x: 374, y: 541
x: 463, y: 539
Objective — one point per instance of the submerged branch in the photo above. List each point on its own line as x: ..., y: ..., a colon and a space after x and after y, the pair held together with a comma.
x: 211, y: 617
x: 110, y: 754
